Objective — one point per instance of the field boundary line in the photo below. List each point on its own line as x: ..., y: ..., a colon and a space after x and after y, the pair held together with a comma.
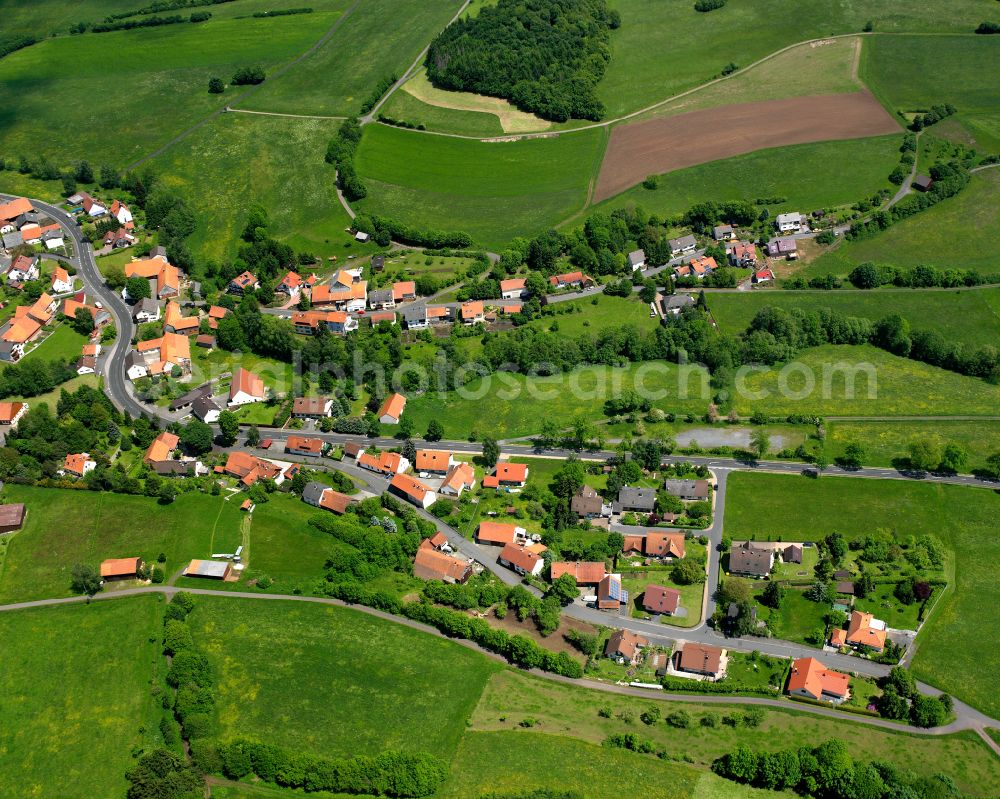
x: 230, y: 110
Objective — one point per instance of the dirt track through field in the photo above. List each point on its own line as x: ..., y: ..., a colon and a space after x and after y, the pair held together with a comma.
x: 653, y: 147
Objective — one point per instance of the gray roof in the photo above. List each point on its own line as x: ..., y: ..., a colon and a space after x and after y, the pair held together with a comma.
x: 189, y: 398
x: 134, y: 358
x: 53, y: 234
x: 683, y: 243
x: 672, y: 301
x: 636, y: 257
x: 158, y: 252
x: 414, y: 315
x: 203, y: 405
x: 146, y: 305
x: 721, y: 230
x: 643, y: 498
x: 782, y: 245
x: 13, y: 239
x: 687, y: 488
x: 748, y: 559
x: 210, y: 568
x: 380, y: 297
x: 313, y: 492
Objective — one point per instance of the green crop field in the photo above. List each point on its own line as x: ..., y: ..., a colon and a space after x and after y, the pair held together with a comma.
x: 66, y: 527
x: 59, y: 98
x: 953, y: 651
x: 819, y: 382
x: 376, y: 39
x: 76, y: 697
x: 808, y: 175
x: 887, y: 442
x: 966, y: 316
x: 665, y: 48
x: 334, y: 681
x: 494, y: 191
x: 954, y: 234
x: 908, y: 73
x: 567, y: 710
x: 238, y: 160
x: 509, y: 405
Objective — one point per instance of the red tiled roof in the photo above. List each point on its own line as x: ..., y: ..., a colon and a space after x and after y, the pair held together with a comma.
x: 393, y: 406
x: 657, y: 599
x: 519, y: 557
x: 811, y: 676
x: 585, y: 572
x: 496, y: 532
x: 120, y: 567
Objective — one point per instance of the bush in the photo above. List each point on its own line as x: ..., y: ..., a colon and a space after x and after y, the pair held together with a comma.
x: 248, y: 76
x: 708, y: 5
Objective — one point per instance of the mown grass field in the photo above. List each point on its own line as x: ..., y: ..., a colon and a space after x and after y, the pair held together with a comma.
x: 954, y: 234
x: 60, y: 99
x: 572, y: 711
x: 65, y: 527
x: 796, y: 618
x: 376, y: 39
x: 954, y: 648
x: 62, y: 344
x: 508, y: 405
x: 908, y: 73
x: 809, y: 176
x: 819, y: 382
x: 493, y: 191
x: 590, y: 316
x: 240, y: 160
x: 966, y: 316
x: 336, y: 682
x: 886, y: 442
x: 76, y: 696
x: 405, y: 107
x: 662, y: 49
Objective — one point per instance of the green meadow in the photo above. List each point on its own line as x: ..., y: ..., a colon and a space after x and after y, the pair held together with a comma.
x: 239, y: 160
x: 819, y: 381
x: 76, y: 697
x: 888, y: 442
x: 909, y: 73
x: 375, y: 39
x: 810, y: 176
x: 954, y: 648
x: 65, y: 527
x: 565, y: 713
x: 590, y: 316
x: 967, y: 316
x: 63, y: 98
x: 334, y: 681
x: 662, y: 49
x: 954, y: 234
x: 494, y: 191
x: 509, y: 405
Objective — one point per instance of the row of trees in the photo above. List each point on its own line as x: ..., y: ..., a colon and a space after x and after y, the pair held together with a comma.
x: 545, y: 56
x: 340, y: 152
x: 870, y: 275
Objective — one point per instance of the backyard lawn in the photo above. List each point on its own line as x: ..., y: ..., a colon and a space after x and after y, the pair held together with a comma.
x: 336, y: 682
x: 62, y: 344
x: 65, y: 527
x: 798, y: 619
x: 76, y: 697
x: 955, y: 645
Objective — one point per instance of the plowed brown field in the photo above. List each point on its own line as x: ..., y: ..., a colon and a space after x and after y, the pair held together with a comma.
x: 656, y: 146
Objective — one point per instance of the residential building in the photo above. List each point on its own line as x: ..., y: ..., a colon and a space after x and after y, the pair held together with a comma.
x: 135, y: 365
x: 79, y: 464
x: 723, y: 233
x: 763, y: 276
x: 22, y: 269
x: 245, y: 388
x: 146, y: 310
x: 584, y: 572
x: 507, y: 475
x: 14, y: 208
x: 697, y: 267
x: 242, y: 283
x: 308, y: 447
x: 174, y: 320
x: 610, y: 594
x: 92, y: 207
x: 121, y: 212
x: 789, y: 223
x: 381, y: 299
x: 687, y: 489
x: 11, y: 413
x: 921, y: 183
x: 412, y: 490
x: 792, y: 554
x: 642, y: 500
x: 500, y: 533
x: 308, y: 323
x: 388, y: 463
x: 118, y: 239
x: 783, y: 248
x: 750, y: 560
x: 812, y: 680
x: 121, y: 569
x: 290, y: 285
x: 392, y: 409
x: 167, y: 276
x: 11, y: 517
x: 682, y: 245
x: 215, y: 313
x: 206, y: 409
x: 513, y: 289
x: 162, y: 354
x: 432, y: 564
x: 742, y: 253
x: 521, y: 560
x: 587, y: 503
x: 670, y: 546
x: 382, y: 316
x: 459, y: 478
x: 571, y: 280
x: 702, y: 659
x: 313, y: 493
x: 404, y: 290
x: 433, y: 462
x: 161, y: 449
x: 312, y: 407
x: 473, y: 313
x: 345, y: 292
x: 625, y: 646
x: 637, y: 259
x: 673, y: 304
x: 864, y: 630
x: 61, y: 281
x: 210, y: 569
x: 657, y: 599
x: 248, y: 469
x: 86, y: 365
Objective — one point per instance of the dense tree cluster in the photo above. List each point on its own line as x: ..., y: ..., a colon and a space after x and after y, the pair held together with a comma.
x: 162, y: 774
x: 248, y: 76
x: 545, y: 56
x: 932, y: 117
x: 33, y: 377
x: 384, y: 230
x: 340, y: 152
x: 376, y: 94
x: 395, y: 774
x: 13, y: 43
x: 870, y: 275
x: 828, y: 771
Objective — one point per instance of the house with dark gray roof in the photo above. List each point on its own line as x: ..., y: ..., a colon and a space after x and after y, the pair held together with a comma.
x: 146, y: 310
x: 313, y: 493
x: 687, y: 489
x: 206, y: 409
x: 637, y: 259
x: 683, y: 245
x: 635, y: 499
x: 750, y: 560
x: 674, y: 303
x: 382, y: 298
x: 723, y: 232
x: 186, y: 400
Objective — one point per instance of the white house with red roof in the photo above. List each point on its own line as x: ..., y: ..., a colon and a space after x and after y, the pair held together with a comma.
x: 121, y: 212
x: 246, y: 388
x: 290, y: 285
